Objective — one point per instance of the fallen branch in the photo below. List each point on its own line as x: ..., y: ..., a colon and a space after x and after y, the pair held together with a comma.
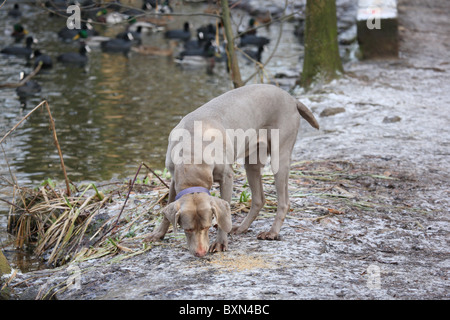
x: 161, y: 180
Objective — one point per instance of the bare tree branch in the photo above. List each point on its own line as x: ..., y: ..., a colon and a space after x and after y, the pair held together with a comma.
x: 24, y: 80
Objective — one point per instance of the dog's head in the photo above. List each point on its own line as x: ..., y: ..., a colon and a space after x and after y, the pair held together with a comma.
x: 194, y: 213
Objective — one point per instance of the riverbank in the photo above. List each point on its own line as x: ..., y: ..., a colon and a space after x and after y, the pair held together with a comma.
x: 369, y: 199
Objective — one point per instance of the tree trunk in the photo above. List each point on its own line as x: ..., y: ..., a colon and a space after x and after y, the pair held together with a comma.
x: 322, y: 60
x: 232, y: 59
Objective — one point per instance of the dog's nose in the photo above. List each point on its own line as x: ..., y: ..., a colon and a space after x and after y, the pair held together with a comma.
x: 201, y: 252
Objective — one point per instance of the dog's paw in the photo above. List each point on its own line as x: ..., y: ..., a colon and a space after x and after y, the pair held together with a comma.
x: 153, y: 237
x: 268, y: 235
x: 238, y: 230
x: 218, y: 247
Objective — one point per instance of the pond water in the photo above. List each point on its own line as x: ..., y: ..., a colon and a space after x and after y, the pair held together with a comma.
x: 112, y: 114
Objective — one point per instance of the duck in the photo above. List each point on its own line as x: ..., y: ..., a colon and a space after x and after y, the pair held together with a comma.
x: 158, y: 6
x: 26, y: 51
x: 19, y: 32
x: 145, y: 27
x: 29, y: 88
x: 251, y: 39
x: 79, y: 58
x: 118, y: 45
x: 199, y: 59
x: 254, y: 55
x: 251, y: 28
x: 161, y: 19
x: 97, y: 14
x: 207, y: 32
x: 184, y: 34
x: 115, y: 17
x: 47, y: 62
x: 91, y: 41
x: 137, y: 35
x: 67, y: 34
x: 165, y: 8
x: 203, y: 51
x: 94, y: 13
x: 15, y: 11
x: 263, y: 17
x: 156, y: 51
x: 195, y: 43
x: 150, y: 4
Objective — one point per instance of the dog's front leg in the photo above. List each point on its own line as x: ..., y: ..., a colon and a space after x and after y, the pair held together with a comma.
x: 160, y: 231
x: 221, y: 243
x: 226, y: 189
x: 222, y: 212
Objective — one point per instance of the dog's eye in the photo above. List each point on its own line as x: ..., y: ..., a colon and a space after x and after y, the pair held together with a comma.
x: 188, y: 230
x: 205, y: 228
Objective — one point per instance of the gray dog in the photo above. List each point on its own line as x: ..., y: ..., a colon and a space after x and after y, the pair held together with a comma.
x: 248, y: 123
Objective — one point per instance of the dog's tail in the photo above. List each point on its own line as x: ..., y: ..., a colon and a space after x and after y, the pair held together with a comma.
x: 307, y: 115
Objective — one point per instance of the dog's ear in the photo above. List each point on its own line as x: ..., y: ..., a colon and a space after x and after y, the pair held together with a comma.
x: 172, y: 213
x: 221, y: 210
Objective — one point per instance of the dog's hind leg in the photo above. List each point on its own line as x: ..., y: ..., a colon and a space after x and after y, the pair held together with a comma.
x: 254, y: 180
x: 281, y: 185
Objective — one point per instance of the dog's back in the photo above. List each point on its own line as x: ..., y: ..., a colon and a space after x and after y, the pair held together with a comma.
x: 253, y: 106
x: 257, y: 106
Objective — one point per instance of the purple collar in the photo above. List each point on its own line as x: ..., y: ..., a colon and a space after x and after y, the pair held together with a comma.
x: 191, y: 190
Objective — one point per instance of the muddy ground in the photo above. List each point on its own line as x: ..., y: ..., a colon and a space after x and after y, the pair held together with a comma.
x: 369, y: 203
